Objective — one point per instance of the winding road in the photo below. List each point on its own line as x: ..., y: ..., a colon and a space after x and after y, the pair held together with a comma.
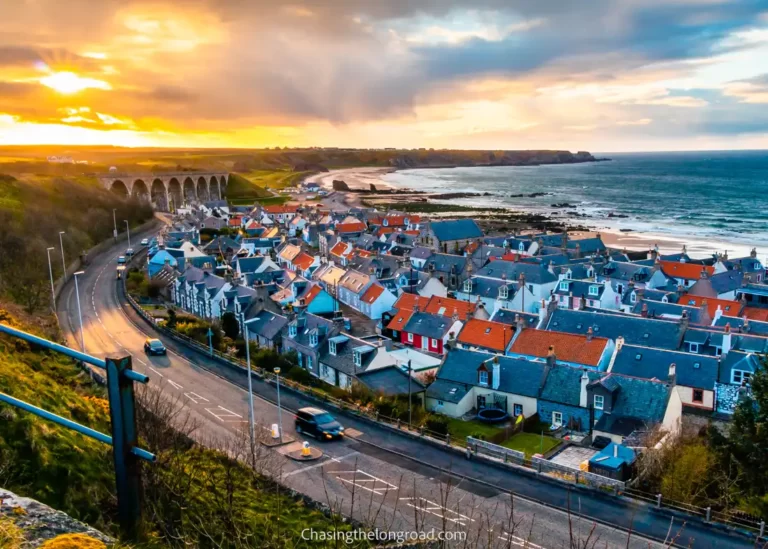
x: 376, y: 474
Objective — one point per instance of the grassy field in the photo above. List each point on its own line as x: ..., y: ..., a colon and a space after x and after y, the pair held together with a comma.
x: 531, y: 443
x: 275, y: 179
x: 462, y: 429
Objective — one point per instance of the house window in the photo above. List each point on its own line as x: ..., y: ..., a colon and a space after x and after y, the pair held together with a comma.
x: 481, y: 402
x: 434, y: 343
x: 564, y: 286
x: 633, y: 297
x: 740, y: 377
x: 557, y: 419
x: 410, y: 337
x: 482, y: 377
x: 332, y: 347
x: 620, y: 289
x: 698, y: 396
x: 517, y: 409
x: 468, y: 285
x: 300, y: 359
x: 599, y: 402
x: 594, y: 290
x: 313, y: 340
x: 568, y: 275
x: 440, y: 403
x: 503, y: 292
x: 292, y: 330
x: 358, y: 358
x: 309, y: 362
x: 693, y: 347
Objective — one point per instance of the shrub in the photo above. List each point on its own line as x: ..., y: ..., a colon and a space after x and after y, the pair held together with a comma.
x: 437, y: 424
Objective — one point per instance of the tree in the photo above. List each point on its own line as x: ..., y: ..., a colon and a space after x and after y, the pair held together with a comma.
x: 745, y: 446
x: 230, y: 325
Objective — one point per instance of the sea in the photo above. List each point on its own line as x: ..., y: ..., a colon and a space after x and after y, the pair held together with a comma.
x: 715, y: 201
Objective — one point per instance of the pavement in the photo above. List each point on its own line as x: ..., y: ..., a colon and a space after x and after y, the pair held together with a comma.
x: 379, y: 476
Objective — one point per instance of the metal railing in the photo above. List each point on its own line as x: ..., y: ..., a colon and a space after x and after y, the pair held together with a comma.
x: 122, y: 412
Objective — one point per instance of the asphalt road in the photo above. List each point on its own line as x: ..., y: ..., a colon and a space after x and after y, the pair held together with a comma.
x: 377, y: 475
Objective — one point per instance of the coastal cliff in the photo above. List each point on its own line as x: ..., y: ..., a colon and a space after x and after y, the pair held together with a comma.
x: 451, y: 159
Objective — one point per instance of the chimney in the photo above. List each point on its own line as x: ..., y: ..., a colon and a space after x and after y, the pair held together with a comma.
x: 644, y: 310
x: 684, y: 321
x: 615, y: 450
x: 703, y: 274
x: 583, y: 398
x: 519, y: 323
x: 753, y: 253
x: 672, y: 374
x: 619, y: 343
x: 496, y: 373
x: 745, y: 326
x: 590, y: 334
x: 455, y: 315
x: 727, y: 339
x: 551, y: 357
x: 542, y: 311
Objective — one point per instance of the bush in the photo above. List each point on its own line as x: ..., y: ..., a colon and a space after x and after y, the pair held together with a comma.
x: 437, y: 424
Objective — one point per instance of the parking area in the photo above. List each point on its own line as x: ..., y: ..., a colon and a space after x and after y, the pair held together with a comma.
x: 573, y: 456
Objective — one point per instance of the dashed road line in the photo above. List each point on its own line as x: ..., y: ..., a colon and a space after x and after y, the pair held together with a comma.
x: 195, y: 398
x: 426, y: 506
x: 224, y: 415
x: 365, y: 481
x: 175, y: 385
x: 517, y: 541
x: 158, y: 373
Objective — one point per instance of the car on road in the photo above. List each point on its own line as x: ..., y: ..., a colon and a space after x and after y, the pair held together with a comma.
x: 121, y: 260
x: 318, y: 423
x: 154, y: 346
x: 129, y: 252
x: 145, y: 242
x: 120, y: 271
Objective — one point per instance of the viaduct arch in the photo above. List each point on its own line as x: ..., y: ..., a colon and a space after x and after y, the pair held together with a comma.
x: 168, y: 190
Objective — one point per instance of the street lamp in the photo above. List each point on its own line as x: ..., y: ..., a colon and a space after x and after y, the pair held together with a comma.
x: 79, y: 311
x: 279, y: 409
x: 250, y: 383
x: 50, y: 272
x: 114, y: 220
x: 128, y: 228
x: 409, y: 393
x: 63, y: 263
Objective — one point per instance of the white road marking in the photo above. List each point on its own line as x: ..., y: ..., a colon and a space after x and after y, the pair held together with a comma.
x: 224, y: 415
x: 158, y: 373
x: 321, y: 464
x: 519, y: 542
x: 194, y: 397
x: 175, y: 385
x: 426, y: 506
x: 365, y: 481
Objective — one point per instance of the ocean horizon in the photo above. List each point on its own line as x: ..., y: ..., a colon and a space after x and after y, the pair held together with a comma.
x: 713, y: 200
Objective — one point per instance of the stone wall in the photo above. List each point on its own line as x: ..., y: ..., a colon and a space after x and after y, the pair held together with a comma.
x: 39, y: 523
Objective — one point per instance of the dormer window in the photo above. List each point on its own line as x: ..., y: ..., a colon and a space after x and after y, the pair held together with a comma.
x: 292, y: 330
x: 358, y: 358
x: 503, y: 292
x: 313, y: 340
x: 568, y: 275
x: 332, y: 347
x: 633, y: 297
x: 521, y: 247
x: 599, y: 402
x: 590, y: 273
x: 594, y: 290
x: 468, y: 285
x: 564, y: 286
x: 482, y: 377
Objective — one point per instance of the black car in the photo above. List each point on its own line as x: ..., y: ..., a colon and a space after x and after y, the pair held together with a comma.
x: 318, y: 423
x: 154, y: 347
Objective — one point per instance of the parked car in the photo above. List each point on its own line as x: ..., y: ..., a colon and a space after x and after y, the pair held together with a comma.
x: 145, y: 242
x: 154, y: 347
x: 129, y: 252
x: 121, y: 260
x: 318, y: 423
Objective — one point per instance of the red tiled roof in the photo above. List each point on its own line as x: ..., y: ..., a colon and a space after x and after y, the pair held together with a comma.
x: 363, y: 253
x: 445, y: 306
x: 350, y: 227
x: 312, y: 294
x: 384, y: 230
x: 487, y: 334
x: 339, y: 249
x: 372, y: 293
x: 756, y: 313
x: 303, y: 261
x: 406, y: 302
x: 400, y: 319
x: 235, y: 221
x: 412, y: 233
x: 688, y: 271
x: 568, y: 347
x: 728, y: 307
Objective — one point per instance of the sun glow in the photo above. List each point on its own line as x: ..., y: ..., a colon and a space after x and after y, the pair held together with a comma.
x: 68, y: 83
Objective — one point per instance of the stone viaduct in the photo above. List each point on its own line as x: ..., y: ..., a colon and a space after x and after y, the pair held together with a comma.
x: 168, y: 190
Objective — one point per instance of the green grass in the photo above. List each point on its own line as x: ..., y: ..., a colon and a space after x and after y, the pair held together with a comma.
x: 531, y: 443
x: 241, y: 187
x: 275, y: 179
x: 462, y: 429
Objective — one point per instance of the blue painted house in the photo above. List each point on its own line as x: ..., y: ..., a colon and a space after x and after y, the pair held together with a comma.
x: 159, y: 260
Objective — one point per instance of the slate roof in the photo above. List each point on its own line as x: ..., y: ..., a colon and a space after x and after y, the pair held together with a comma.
x: 635, y: 330
x: 344, y: 360
x: 738, y: 324
x: 517, y: 376
x: 428, y: 325
x: 563, y: 384
x: 266, y: 324
x: 617, y: 270
x: 508, y: 316
x: 446, y: 263
x: 580, y: 288
x: 534, y: 274
x: 638, y: 402
x: 735, y: 360
x: 692, y: 370
x: 659, y: 309
x: 456, y: 229
x: 727, y: 282
x: 421, y: 253
x: 489, y: 287
x: 389, y: 380
x: 249, y: 264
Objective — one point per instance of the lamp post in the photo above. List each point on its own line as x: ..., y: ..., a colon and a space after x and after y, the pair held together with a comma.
x: 409, y: 393
x: 250, y: 382
x: 79, y: 310
x: 114, y: 220
x: 279, y: 408
x: 50, y: 272
x: 63, y: 263
x: 128, y: 229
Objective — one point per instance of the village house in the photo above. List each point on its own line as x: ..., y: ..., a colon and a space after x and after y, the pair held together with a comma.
x: 308, y: 336
x: 451, y: 235
x: 265, y: 329
x: 582, y: 351
x: 428, y: 332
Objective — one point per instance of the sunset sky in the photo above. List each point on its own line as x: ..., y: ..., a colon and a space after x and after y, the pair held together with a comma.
x: 600, y: 75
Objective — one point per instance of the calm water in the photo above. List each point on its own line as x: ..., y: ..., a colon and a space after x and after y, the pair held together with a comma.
x: 720, y: 197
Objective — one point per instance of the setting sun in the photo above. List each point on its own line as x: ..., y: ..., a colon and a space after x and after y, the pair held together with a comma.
x: 68, y: 82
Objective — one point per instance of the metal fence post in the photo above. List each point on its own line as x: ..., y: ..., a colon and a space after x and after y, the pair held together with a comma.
x: 658, y: 501
x: 762, y: 528
x: 122, y: 407
x: 709, y: 513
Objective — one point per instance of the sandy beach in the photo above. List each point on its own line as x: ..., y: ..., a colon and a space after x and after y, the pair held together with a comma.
x: 355, y: 178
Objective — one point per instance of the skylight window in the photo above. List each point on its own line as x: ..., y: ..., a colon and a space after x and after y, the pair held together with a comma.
x: 638, y: 356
